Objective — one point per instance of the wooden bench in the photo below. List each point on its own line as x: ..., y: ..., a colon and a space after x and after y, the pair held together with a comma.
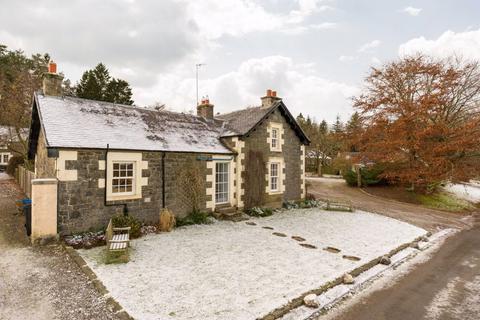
x: 339, y: 206
x: 118, y: 239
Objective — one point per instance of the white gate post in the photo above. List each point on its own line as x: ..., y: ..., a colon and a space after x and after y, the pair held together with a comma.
x: 44, y: 209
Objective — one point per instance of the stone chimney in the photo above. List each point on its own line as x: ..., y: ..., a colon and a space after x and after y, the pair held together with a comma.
x: 270, y: 99
x: 205, y: 109
x: 52, y: 81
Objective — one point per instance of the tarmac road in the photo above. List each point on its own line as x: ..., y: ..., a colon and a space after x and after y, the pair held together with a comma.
x: 447, y: 286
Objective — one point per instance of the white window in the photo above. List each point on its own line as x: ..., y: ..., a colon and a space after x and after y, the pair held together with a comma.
x: 274, y: 140
x: 5, y: 158
x: 123, y: 177
x: 274, y: 173
x: 221, y: 182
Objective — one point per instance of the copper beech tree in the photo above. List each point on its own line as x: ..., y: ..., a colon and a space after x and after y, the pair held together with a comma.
x: 422, y: 120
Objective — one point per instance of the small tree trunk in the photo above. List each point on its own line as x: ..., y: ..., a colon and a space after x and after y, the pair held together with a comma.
x: 359, y: 176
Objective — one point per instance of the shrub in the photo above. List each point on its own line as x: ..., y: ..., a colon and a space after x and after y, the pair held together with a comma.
x: 167, y: 220
x: 14, y: 162
x: 194, y: 217
x: 259, y: 212
x: 122, y: 221
x: 369, y: 176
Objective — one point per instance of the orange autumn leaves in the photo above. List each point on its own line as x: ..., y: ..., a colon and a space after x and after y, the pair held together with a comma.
x: 421, y: 119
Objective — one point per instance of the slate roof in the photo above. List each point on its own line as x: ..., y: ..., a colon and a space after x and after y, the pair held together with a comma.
x: 241, y: 121
x: 80, y: 123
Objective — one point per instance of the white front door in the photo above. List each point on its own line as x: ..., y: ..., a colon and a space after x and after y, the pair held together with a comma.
x: 222, y: 178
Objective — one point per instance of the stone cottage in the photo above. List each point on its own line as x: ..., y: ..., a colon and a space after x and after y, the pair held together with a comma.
x: 109, y: 157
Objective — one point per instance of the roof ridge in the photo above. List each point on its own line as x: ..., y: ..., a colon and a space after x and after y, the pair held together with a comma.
x: 121, y: 105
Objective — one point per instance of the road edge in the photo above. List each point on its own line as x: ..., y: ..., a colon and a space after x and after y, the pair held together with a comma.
x: 116, y: 307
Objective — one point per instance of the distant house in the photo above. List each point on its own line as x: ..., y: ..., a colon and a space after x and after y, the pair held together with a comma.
x: 107, y: 157
x: 8, y: 143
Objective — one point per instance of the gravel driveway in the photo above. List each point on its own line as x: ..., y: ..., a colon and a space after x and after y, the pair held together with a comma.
x: 429, y: 219
x: 40, y: 283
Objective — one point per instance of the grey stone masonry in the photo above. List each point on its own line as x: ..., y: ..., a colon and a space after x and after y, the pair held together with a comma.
x: 52, y: 84
x: 257, y: 140
x: 81, y: 203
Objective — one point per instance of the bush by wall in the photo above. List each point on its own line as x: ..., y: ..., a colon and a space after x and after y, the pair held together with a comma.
x: 122, y: 221
x: 259, y: 212
x: 194, y: 217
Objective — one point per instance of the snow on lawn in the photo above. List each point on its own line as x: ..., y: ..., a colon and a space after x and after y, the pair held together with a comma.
x: 469, y: 192
x: 233, y: 270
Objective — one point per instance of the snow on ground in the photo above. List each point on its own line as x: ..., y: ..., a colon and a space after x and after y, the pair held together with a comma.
x: 237, y: 271
x: 468, y: 191
x: 4, y: 176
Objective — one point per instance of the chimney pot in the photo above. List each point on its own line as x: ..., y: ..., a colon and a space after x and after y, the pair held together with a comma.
x: 52, y: 81
x: 52, y: 67
x: 205, y: 109
x: 270, y: 98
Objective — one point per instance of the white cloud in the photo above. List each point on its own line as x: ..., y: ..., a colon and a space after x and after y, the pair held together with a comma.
x: 347, y: 58
x: 324, y: 26
x: 302, y: 90
x: 369, y: 46
x: 464, y: 44
x: 300, y: 29
x: 239, y: 17
x: 412, y: 11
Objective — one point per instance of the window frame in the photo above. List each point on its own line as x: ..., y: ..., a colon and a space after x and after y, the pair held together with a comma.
x: 276, y: 176
x: 274, y: 138
x: 139, y: 181
x: 132, y: 178
x: 226, y: 183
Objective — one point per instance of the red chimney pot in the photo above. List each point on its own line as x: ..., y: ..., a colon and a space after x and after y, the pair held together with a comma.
x: 52, y: 67
x: 269, y: 93
x: 274, y: 93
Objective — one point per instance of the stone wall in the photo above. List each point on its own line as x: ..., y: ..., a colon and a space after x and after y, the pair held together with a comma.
x: 81, y: 203
x: 291, y: 154
x: 44, y: 166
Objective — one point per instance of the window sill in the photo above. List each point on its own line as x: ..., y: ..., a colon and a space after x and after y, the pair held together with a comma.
x: 121, y: 197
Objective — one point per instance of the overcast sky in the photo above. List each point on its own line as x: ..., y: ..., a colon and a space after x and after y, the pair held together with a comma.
x: 315, y: 53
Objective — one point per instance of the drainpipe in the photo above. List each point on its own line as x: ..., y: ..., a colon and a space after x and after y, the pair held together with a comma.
x: 163, y: 180
x: 125, y: 207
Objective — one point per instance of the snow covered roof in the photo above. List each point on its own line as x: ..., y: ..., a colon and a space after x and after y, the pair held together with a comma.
x: 79, y: 123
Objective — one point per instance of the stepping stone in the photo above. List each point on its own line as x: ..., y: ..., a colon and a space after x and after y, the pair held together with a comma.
x: 269, y: 228
x: 251, y: 223
x: 297, y: 238
x: 309, y: 246
x: 352, y: 258
x: 332, y: 249
x: 279, y: 234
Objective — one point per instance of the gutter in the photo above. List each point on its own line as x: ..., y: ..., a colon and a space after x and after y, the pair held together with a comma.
x: 163, y: 180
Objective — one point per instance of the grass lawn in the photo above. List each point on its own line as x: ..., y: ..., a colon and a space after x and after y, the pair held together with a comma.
x: 444, y: 201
